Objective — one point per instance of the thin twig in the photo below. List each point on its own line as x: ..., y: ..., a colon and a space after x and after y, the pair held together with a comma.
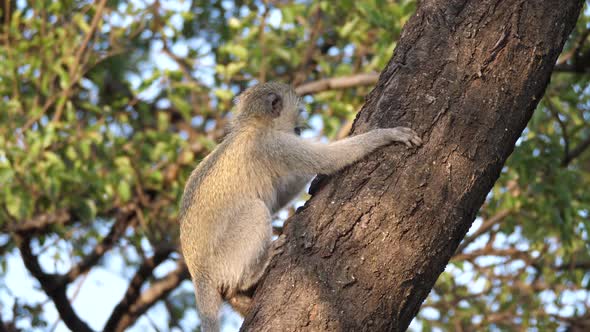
x: 78, y: 57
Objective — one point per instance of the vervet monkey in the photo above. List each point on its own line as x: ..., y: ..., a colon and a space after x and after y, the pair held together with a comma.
x: 228, y: 201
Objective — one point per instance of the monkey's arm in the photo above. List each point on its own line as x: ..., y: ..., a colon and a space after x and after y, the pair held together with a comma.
x: 288, y: 188
x: 299, y: 156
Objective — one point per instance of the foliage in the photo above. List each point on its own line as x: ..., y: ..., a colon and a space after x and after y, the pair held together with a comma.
x: 107, y: 106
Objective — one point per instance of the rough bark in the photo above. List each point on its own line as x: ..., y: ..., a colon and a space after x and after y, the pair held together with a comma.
x: 364, y: 252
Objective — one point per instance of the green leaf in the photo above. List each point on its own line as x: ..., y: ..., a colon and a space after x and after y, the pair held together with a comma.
x: 79, y: 19
x: 88, y: 210
x: 348, y: 26
x: 124, y: 190
x: 288, y: 13
x: 53, y: 159
x: 19, y: 205
x: 182, y: 105
x: 283, y: 53
x: 234, y: 67
x: 6, y: 175
x: 223, y: 94
x: 234, y: 23
x: 237, y: 50
x: 14, y: 205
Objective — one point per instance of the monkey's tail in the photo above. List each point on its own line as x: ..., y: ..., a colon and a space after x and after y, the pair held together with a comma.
x: 208, y: 305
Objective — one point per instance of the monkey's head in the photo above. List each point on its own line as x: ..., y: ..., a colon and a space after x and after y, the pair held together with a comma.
x: 272, y: 104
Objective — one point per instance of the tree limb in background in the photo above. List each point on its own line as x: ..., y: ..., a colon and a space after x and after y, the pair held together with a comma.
x: 343, y: 82
x: 117, y: 230
x: 485, y: 227
x: 53, y: 287
x: 41, y: 223
x: 129, y: 312
x: 133, y: 290
x: 576, y: 152
x: 579, y: 62
x: 315, y: 33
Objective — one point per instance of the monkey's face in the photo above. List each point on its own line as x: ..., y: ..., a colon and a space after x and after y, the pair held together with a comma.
x: 273, y: 103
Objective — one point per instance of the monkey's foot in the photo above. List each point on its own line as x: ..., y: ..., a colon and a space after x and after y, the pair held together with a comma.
x: 241, y: 303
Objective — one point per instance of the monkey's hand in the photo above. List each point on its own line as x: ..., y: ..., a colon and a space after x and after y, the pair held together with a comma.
x: 404, y: 135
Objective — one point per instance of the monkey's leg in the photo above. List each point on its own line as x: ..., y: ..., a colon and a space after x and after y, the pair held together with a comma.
x: 247, y: 250
x: 208, y: 304
x: 242, y: 300
x: 256, y: 272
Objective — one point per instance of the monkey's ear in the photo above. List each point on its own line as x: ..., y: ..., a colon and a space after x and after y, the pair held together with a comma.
x: 275, y: 104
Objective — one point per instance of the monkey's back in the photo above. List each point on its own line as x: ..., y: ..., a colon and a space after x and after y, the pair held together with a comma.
x: 227, y: 181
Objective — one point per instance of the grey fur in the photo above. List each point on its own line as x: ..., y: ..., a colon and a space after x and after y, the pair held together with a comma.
x: 228, y: 201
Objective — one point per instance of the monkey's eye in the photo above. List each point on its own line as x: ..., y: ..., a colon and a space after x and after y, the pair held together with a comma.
x: 297, y: 131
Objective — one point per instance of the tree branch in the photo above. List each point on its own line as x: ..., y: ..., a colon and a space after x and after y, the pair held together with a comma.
x: 337, y: 83
x: 490, y: 251
x: 117, y: 229
x: 566, y: 140
x: 568, y: 266
x: 74, y: 76
x: 576, y: 152
x: 570, y: 68
x: 311, y: 47
x: 132, y: 306
x: 53, y: 286
x: 41, y: 223
x: 574, y: 51
x: 485, y: 226
x: 262, y: 43
x: 133, y: 291
x: 8, y: 326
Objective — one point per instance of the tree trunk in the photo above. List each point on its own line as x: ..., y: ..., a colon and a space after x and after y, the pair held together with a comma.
x: 365, y: 251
